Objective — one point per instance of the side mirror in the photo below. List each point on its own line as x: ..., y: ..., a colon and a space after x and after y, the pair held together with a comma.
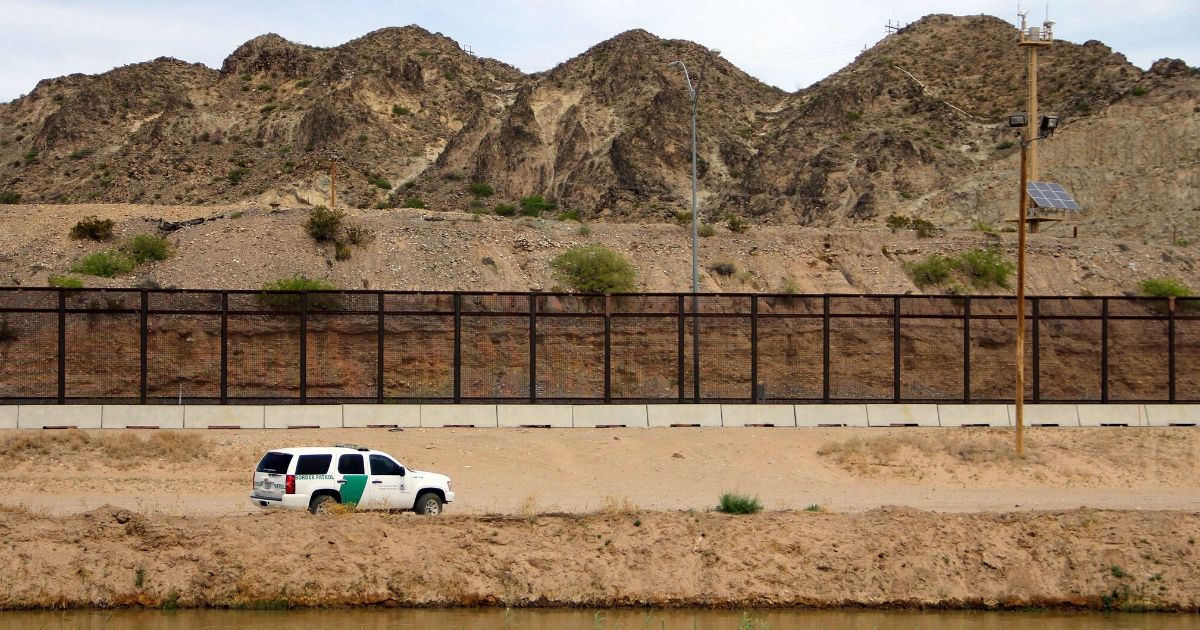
x: 401, y: 471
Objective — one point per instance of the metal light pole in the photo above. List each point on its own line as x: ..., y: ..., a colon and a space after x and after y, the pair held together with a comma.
x: 694, y: 98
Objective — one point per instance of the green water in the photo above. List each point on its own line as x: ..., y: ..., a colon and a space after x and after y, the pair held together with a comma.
x: 572, y: 619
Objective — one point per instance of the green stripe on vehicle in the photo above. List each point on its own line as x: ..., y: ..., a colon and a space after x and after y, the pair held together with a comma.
x: 352, y: 490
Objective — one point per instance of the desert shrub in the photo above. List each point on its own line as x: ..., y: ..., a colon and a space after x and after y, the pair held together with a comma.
x: 683, y: 218
x: 358, y: 235
x: 236, y: 174
x: 64, y: 282
x: 341, y: 251
x: 147, y: 247
x: 93, y: 228
x: 594, y: 269
x: 1006, y: 145
x: 481, y: 189
x: 980, y: 225
x: 706, y: 230
x: 933, y: 270
x: 734, y: 503
x: 400, y: 110
x: 414, y: 202
x: 584, y: 230
x: 534, y: 205
x: 1164, y: 288
x: 505, y: 209
x: 1139, y: 90
x: 736, y: 224
x: 323, y: 224
x: 985, y: 267
x: 303, y: 83
x: 924, y: 228
x: 30, y: 157
x: 569, y: 215
x: 379, y: 181
x: 723, y: 268
x: 10, y: 196
x: 79, y: 154
x: 897, y: 222
x: 105, y: 264
x: 272, y: 296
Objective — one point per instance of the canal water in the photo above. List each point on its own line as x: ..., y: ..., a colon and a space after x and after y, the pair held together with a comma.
x: 581, y: 619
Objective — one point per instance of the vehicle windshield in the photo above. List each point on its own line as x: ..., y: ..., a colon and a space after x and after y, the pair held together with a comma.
x: 275, y: 463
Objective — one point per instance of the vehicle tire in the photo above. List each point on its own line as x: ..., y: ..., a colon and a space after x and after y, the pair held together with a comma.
x: 321, y: 504
x: 429, y: 504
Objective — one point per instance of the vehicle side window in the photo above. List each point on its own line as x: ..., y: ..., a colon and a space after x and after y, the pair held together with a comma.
x: 276, y: 463
x: 351, y: 464
x: 381, y: 465
x: 313, y: 464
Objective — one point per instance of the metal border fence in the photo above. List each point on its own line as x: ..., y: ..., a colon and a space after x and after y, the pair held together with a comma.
x: 224, y: 347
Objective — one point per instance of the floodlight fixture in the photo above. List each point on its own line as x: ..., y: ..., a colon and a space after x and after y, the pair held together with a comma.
x: 1048, y: 125
x: 1018, y: 120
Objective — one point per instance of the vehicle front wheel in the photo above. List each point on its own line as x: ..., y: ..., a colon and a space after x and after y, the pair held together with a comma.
x: 321, y: 504
x: 429, y: 504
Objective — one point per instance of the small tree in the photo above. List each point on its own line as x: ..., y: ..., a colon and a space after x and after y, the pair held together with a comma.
x: 594, y: 269
x: 323, y: 224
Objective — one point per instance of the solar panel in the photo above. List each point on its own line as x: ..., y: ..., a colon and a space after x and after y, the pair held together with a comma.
x: 1051, y: 195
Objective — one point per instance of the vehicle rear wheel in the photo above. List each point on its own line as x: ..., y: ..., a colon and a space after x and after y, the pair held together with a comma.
x: 321, y: 504
x: 429, y: 504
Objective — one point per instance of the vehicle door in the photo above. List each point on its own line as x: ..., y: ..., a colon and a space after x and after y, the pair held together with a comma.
x: 389, y: 486
x: 312, y: 473
x: 352, y: 477
x: 271, y: 474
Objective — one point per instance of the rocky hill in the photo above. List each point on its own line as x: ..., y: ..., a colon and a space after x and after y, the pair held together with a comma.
x: 913, y: 125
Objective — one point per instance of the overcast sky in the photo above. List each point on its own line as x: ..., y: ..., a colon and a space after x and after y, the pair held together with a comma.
x: 788, y: 43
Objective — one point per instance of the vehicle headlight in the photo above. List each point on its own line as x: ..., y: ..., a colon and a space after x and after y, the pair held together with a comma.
x: 449, y: 485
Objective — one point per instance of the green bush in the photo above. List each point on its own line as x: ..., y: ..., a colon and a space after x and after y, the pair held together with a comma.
x: 93, y: 228
x: 481, y: 189
x: 706, y: 230
x: 1139, y: 90
x: 104, y: 264
x: 341, y: 251
x: 925, y: 229
x: 400, y: 110
x: 303, y: 83
x: 933, y: 270
x: 358, y: 235
x: 79, y: 154
x: 986, y: 267
x: 291, y: 301
x: 30, y: 157
x: 414, y: 202
x: 737, y: 225
x: 534, y: 205
x: 683, y: 218
x: 9, y: 196
x: 1164, y: 288
x: 323, y: 224
x: 236, y: 174
x: 379, y: 181
x: 584, y: 230
x: 1006, y: 145
x: 980, y: 225
x: 733, y: 503
x: 147, y: 247
x: 897, y: 222
x: 594, y: 269
x: 505, y: 209
x: 65, y: 282
x: 569, y: 215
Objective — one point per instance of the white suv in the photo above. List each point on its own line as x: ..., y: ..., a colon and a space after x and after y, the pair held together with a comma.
x: 317, y: 477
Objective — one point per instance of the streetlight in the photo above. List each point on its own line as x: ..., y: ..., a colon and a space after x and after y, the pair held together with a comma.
x: 1045, y: 129
x: 694, y: 97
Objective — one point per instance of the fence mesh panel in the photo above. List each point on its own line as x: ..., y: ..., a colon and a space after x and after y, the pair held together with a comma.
x: 1077, y: 341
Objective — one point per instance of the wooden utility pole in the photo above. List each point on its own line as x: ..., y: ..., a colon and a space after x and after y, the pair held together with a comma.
x: 1031, y: 39
x: 333, y: 183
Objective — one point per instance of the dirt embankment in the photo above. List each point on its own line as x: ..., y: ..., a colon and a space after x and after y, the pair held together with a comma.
x: 883, y: 557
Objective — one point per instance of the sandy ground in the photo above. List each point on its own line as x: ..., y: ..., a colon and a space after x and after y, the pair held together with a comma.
x: 522, y: 471
x: 863, y: 517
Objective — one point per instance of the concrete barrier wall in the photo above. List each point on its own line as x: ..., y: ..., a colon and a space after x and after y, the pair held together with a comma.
x: 141, y: 417
x: 564, y: 416
x: 609, y: 416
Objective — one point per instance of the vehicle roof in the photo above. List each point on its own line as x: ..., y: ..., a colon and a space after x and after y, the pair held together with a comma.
x: 321, y: 450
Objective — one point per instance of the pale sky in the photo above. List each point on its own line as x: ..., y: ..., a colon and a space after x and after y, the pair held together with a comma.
x: 789, y: 44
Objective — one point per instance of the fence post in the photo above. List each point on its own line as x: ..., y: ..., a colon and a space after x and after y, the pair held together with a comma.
x: 224, y: 347
x: 62, y: 346
x: 896, y: 349
x: 825, y: 350
x: 379, y: 350
x: 457, y: 347
x: 1171, y: 349
x: 679, y: 362
x: 304, y: 347
x: 1104, y: 350
x: 607, y: 348
x: 754, y: 349
x: 967, y: 349
x: 1037, y: 349
x: 533, y: 347
x: 144, y: 335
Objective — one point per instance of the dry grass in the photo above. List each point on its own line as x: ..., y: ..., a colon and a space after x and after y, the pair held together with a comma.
x: 121, y: 449
x: 978, y: 447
